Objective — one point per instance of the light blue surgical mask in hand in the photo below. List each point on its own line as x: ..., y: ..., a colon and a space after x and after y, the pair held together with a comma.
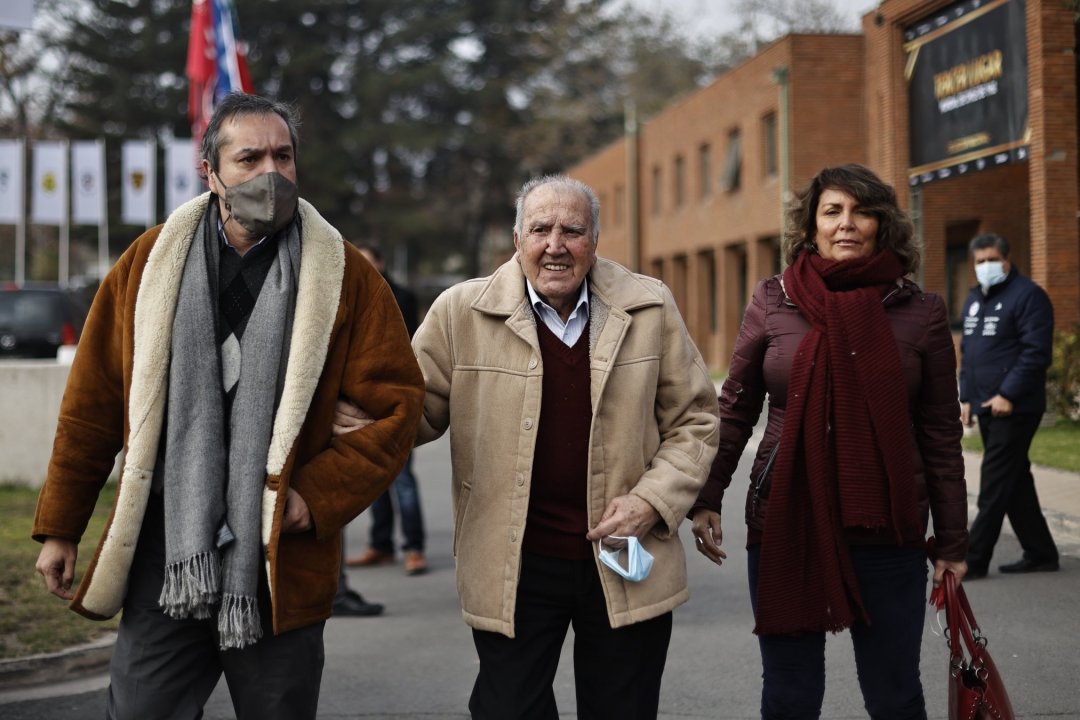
x: 638, y: 560
x: 989, y: 274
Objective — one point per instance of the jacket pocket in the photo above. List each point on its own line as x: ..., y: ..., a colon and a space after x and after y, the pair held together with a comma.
x: 459, y: 516
x: 761, y: 482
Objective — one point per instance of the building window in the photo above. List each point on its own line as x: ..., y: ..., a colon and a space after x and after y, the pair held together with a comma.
x: 772, y: 152
x: 680, y: 180
x: 620, y: 206
x: 705, y: 170
x: 657, y: 190
x: 729, y: 178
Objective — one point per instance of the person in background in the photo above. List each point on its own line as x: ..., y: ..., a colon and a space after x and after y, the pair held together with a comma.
x: 862, y: 443
x: 1005, y: 351
x: 380, y: 551
x: 214, y: 355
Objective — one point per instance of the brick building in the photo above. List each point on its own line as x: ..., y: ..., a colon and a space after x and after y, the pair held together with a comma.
x: 693, y: 196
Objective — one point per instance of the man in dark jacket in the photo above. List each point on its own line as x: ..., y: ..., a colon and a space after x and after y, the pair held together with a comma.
x: 1006, y: 348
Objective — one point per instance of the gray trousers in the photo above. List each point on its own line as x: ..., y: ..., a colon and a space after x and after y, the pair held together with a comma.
x: 167, y: 668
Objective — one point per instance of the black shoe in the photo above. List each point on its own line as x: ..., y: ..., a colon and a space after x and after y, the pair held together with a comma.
x: 354, y: 605
x: 1023, y: 565
x: 975, y: 574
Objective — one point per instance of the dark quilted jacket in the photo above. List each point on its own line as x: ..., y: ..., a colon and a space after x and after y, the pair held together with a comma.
x: 761, y: 364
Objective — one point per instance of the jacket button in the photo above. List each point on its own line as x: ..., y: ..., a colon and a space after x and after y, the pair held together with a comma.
x: 513, y: 536
x: 520, y: 479
x: 532, y: 363
x: 527, y: 423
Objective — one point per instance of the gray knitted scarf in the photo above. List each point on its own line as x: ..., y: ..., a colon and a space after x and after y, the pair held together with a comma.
x: 213, y: 490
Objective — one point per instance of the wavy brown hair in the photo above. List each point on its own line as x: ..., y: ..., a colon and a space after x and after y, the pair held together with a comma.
x: 895, y: 230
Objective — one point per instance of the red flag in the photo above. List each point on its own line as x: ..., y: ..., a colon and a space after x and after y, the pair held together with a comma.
x: 216, y: 62
x: 200, y: 69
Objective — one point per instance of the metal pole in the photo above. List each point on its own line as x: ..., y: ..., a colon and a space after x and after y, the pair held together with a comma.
x: 780, y: 76
x: 20, y: 226
x: 633, y: 237
x: 103, y: 225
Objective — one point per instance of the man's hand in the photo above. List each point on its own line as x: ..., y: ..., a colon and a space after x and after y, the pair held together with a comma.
x: 999, y: 406
x: 297, y: 515
x: 626, y: 515
x: 56, y: 563
x: 965, y: 415
x: 709, y: 535
x: 349, y: 417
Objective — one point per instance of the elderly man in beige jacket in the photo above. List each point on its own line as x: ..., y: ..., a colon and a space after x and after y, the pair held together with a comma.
x: 579, y: 409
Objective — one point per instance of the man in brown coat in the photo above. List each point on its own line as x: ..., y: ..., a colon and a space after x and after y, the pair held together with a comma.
x: 213, y: 356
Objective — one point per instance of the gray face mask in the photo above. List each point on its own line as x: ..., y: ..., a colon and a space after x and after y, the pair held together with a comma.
x: 262, y: 205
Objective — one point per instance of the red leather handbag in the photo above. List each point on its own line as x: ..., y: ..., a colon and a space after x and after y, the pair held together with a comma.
x: 976, y: 691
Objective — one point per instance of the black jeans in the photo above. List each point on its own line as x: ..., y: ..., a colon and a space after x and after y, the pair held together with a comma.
x: 892, y: 582
x: 617, y: 672
x: 1007, y: 488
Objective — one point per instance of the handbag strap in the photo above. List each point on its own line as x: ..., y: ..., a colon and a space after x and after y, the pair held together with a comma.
x: 961, y: 624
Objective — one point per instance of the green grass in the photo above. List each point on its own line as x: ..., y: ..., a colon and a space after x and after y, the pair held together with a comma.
x: 1056, y: 446
x: 31, y: 620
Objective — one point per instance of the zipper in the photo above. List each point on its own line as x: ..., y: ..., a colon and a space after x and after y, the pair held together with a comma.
x: 759, y: 483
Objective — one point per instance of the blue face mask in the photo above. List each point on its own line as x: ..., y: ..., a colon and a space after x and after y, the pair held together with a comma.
x: 989, y: 274
x: 638, y: 560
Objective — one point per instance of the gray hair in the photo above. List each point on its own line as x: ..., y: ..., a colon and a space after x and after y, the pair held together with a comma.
x: 566, y: 182
x: 981, y: 242
x: 237, y: 104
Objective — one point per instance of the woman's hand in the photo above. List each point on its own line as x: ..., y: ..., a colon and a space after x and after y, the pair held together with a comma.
x: 959, y: 569
x: 709, y: 535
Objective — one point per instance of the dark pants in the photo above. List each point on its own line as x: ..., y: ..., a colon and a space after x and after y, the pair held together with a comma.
x: 167, y: 668
x: 1007, y: 488
x: 617, y: 673
x: 892, y: 582
x: 407, y: 496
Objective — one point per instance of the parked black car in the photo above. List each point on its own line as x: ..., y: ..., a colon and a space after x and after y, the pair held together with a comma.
x: 36, y: 320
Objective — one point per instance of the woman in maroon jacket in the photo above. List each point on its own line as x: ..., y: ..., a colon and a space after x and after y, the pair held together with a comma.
x: 862, y: 444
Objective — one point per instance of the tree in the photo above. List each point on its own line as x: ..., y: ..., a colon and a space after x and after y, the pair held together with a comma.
x: 420, y: 117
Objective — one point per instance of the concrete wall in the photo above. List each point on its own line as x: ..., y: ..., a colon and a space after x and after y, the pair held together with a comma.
x: 30, y: 393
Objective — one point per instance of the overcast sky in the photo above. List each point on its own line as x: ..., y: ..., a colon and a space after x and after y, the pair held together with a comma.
x: 714, y: 16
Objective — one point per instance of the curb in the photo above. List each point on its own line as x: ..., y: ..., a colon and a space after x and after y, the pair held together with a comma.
x: 73, y: 663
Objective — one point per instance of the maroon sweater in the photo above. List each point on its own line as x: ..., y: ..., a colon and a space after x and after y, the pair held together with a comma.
x: 558, y: 515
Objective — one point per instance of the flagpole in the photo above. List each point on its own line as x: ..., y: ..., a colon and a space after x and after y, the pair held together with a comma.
x: 64, y: 251
x: 151, y: 216
x: 20, y: 225
x: 103, y: 224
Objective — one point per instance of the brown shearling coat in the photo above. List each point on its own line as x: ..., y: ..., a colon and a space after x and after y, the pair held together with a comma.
x: 348, y: 340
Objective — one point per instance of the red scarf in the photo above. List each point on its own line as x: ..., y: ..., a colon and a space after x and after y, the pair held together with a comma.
x: 845, y: 449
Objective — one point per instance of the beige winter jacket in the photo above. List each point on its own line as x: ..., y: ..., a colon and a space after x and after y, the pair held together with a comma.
x: 653, y: 433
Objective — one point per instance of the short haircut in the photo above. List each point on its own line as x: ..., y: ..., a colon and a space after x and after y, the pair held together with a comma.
x: 985, y: 240
x: 562, y: 181
x: 238, y: 104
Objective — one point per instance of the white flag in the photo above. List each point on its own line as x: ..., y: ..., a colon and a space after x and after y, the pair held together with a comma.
x: 87, y: 182
x: 138, y: 192
x: 49, y: 198
x: 17, y: 14
x: 11, y: 181
x: 181, y: 179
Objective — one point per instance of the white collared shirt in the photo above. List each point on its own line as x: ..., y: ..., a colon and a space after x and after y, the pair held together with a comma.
x: 570, y: 331
x: 225, y: 238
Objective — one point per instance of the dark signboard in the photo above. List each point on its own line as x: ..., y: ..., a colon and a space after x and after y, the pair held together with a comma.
x: 967, y: 89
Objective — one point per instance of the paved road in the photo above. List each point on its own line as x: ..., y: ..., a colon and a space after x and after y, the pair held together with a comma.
x: 417, y: 661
